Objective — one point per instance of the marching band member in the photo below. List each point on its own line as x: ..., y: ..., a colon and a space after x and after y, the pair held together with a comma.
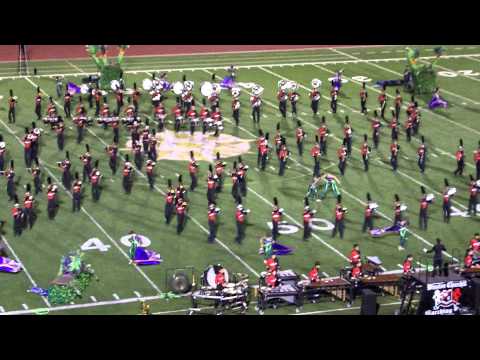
x: 3, y: 150
x: 323, y: 133
x: 314, y: 273
x: 137, y: 154
x: 136, y: 98
x: 145, y: 138
x: 437, y: 250
x: 27, y: 148
x: 240, y: 215
x: 376, y: 125
x: 283, y: 156
x: 212, y: 222
x: 397, y: 208
x: 256, y: 103
x: 423, y: 214
x: 394, y: 149
x: 355, y: 276
x: 177, y: 113
x: 28, y: 207
x: 87, y: 163
x: 220, y: 280
x: 52, y: 203
x: 307, y: 220
x: 127, y: 180
x: 342, y: 157
x: 115, y: 124
x: 193, y: 170
x: 278, y: 139
x: 340, y: 212
x: 119, y: 100
x: 150, y: 165
x: 368, y: 215
x: 235, y: 189
x: 211, y: 185
x: 152, y: 145
x: 363, y: 99
x: 12, y: 104
x: 181, y: 210
x: 276, y: 219
x: 67, y: 104
x: 472, y: 200
x: 422, y: 155
x: 260, y: 141
x: 468, y: 260
x: 242, y: 176
x: 282, y: 97
x: 409, y: 128
x: 65, y: 165
x: 214, y: 100
x: 394, y: 126
x: 271, y: 279
x: 38, y: 104
x: 169, y: 202
x: 160, y: 114
x: 236, y: 109
x: 293, y: 97
x: 37, y: 181
x: 271, y: 264
x: 17, y: 216
x: 460, y: 156
x: 95, y: 177
x: 355, y: 256
x: 447, y: 206
x: 408, y: 268
x: 365, y: 151
x: 217, y: 120
x: 98, y: 98
x: 475, y: 242
x: 315, y: 100
x: 315, y: 153
x: 192, y: 118
x: 398, y: 103
x: 112, y: 151
x: 476, y: 160
x: 80, y: 122
x: 382, y: 100
x: 204, y: 116
x: 347, y: 132
x: 180, y: 191
x: 334, y: 97
x: 219, y: 169
x: 300, y: 135
x: 77, y: 194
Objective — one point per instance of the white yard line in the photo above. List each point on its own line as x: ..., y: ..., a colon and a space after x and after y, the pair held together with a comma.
x: 76, y: 67
x: 2, y: 310
x: 116, y: 297
x: 25, y: 306
x: 247, y: 66
x: 93, y: 298
x: 27, y: 273
x: 137, y: 294
x: 92, y: 219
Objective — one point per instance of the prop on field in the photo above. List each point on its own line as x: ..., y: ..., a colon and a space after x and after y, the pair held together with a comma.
x: 420, y: 76
x: 269, y: 247
x: 437, y: 101
x: 312, y: 192
x: 397, y: 229
x: 221, y: 291
x: 330, y: 181
x: 9, y: 266
x: 141, y: 256
x: 73, y: 278
x: 109, y: 71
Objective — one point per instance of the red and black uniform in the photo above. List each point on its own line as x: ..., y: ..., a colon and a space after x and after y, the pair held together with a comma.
x: 37, y: 181
x: 347, y: 134
x: 398, y: 104
x: 355, y: 257
x: 177, y: 114
x: 181, y: 210
x: 314, y: 275
x: 376, y: 125
x: 460, y: 157
x: 60, y: 130
x: 135, y: 100
x: 38, y: 106
x: 293, y: 97
x: 315, y: 99
x: 315, y: 153
x: 382, y: 100
x: 468, y: 261
x: 242, y: 178
x: 397, y: 211
x: 363, y: 100
x: 98, y: 100
x: 119, y: 100
x: 342, y: 159
x: 10, y: 175
x: 300, y: 136
x: 150, y: 175
x: 145, y: 139
x: 282, y: 102
x: 355, y: 276
x: 472, y: 200
x: 65, y: 165
x: 17, y: 216
x: 475, y: 244
x: 27, y: 150
x: 77, y: 195
x: 160, y: 114
x: 339, y: 221
x: 263, y: 149
x: 394, y: 126
x: 137, y: 154
x: 333, y: 99
x: 12, y: 105
x: 394, y: 149
x: 217, y: 120
x: 152, y: 146
x: 212, y: 224
x: 3, y: 150
x: 240, y: 215
x: 220, y: 280
x: 28, y: 203
x: 278, y: 141
x: 368, y: 219
x: 307, y: 223
x: 51, y: 201
x: 409, y: 128
x: 423, y: 215
x: 127, y: 180
x: 476, y: 160
x: 282, y: 157
x: 322, y: 133
x: 256, y: 103
x: 271, y: 264
x: 236, y: 110
x: 271, y: 280
x: 211, y: 188
x: 235, y: 190
x: 193, y: 170
x: 422, y: 157
x: 276, y: 219
x: 408, y: 267
x: 87, y: 165
x: 219, y: 169
x: 112, y: 151
x: 214, y: 101
x: 365, y: 151
x: 192, y: 118
x: 169, y: 205
x: 204, y: 115
x: 95, y: 178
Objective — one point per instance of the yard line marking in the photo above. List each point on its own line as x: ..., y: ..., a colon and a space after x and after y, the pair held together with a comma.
x: 92, y: 219
x: 25, y: 306
x: 400, y: 266
x: 472, y: 58
x: 137, y: 294
x: 451, y: 70
x: 445, y: 91
x: 75, y: 67
x: 116, y: 297
x: 86, y: 305
x: 93, y: 298
x: 4, y: 239
x: 434, y: 155
x: 367, y: 61
x: 2, y: 310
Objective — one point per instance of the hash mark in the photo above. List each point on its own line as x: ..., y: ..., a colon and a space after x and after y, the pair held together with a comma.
x: 93, y: 298
x: 2, y: 309
x: 116, y: 297
x: 25, y: 306
x: 137, y: 294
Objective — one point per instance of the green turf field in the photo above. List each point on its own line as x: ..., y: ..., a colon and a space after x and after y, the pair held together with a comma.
x: 121, y: 284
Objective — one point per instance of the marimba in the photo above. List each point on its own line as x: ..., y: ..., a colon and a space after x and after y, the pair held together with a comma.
x: 336, y: 287
x: 283, y: 294
x: 388, y: 283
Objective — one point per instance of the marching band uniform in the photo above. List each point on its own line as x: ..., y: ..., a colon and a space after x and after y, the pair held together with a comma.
x: 204, y: 115
x: 67, y: 105
x: 322, y: 133
x: 472, y: 201
x: 236, y: 110
x: 181, y: 209
x: 127, y: 180
x: 282, y: 102
x: 12, y: 104
x: 376, y: 125
x: 177, y: 112
x: 211, y: 185
x: 119, y: 100
x: 65, y: 165
x: 240, y: 214
x: 17, y: 220
x: 382, y: 99
x: 219, y: 168
x: 145, y: 139
x: 347, y: 132
x: 315, y: 153
x: 475, y: 243
x: 315, y: 98
x: 355, y: 256
x: 421, y: 154
x: 169, y: 203
x: 77, y: 194
x: 394, y: 126
x: 409, y: 128
x: 98, y: 98
x: 59, y: 130
x: 339, y: 221
x: 293, y: 97
x: 476, y: 160
x: 408, y: 268
x: 460, y: 156
x: 27, y: 148
x: 3, y: 149
x: 276, y: 219
x: 342, y: 158
x: 447, y: 206
x: 193, y: 170
x: 256, y: 103
x: 300, y: 135
x: 363, y: 99
x: 10, y: 174
x: 87, y: 165
x: 368, y: 219
x: 137, y: 155
x: 282, y: 157
x: 242, y: 177
x: 355, y: 275
x: 397, y: 209
x: 95, y: 178
x: 135, y: 98
x: 112, y: 156
x: 150, y: 176
x: 314, y: 273
x: 398, y: 103
x: 192, y: 116
x: 307, y: 222
x: 423, y: 216
x: 394, y: 148
x: 365, y: 151
x: 334, y: 97
x: 38, y: 105
x: 28, y: 203
x: 152, y: 146
x: 37, y: 182
x: 52, y: 204
x: 212, y: 223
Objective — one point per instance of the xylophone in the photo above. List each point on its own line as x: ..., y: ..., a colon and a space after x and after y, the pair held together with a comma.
x: 336, y: 287
x: 388, y: 283
x: 286, y: 276
x: 472, y: 272
x: 288, y: 294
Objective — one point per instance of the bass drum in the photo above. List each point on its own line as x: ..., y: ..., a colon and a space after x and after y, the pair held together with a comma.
x: 208, y: 278
x: 179, y: 283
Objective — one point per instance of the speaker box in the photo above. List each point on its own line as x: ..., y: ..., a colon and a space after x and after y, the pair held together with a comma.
x: 476, y: 295
x: 369, y: 303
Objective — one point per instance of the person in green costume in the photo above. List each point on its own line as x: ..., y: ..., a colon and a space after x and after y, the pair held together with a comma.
x: 330, y: 181
x: 403, y: 235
